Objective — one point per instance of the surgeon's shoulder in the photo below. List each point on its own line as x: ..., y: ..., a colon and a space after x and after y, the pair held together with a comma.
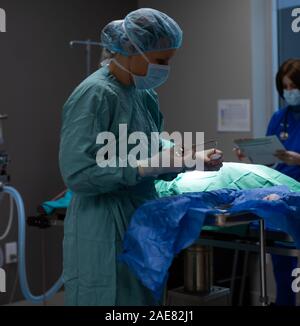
x: 93, y: 89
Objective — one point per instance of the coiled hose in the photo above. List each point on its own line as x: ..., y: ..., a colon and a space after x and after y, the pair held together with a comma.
x: 22, y: 256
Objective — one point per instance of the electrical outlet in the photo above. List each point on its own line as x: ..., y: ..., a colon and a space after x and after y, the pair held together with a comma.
x: 11, y: 253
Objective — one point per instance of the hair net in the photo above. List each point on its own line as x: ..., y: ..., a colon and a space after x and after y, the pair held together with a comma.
x: 149, y: 29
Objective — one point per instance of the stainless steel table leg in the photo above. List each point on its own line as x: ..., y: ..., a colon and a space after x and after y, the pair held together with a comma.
x: 262, y: 263
x: 165, y: 296
x: 244, y: 275
x: 233, y: 274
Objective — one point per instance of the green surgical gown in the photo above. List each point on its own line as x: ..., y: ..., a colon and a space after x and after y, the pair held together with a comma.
x: 104, y: 198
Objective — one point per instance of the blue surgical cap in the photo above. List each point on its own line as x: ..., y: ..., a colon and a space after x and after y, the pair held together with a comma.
x: 149, y: 29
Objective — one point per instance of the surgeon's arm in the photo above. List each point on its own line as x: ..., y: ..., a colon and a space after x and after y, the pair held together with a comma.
x: 168, y: 176
x: 84, y: 118
x: 154, y: 109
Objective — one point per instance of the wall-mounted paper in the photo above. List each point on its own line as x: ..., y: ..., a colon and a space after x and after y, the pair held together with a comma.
x: 234, y: 116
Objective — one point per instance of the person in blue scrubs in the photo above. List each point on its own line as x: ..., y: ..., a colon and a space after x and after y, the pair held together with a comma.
x: 285, y: 124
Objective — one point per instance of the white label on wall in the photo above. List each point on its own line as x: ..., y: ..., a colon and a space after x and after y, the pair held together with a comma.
x: 234, y: 116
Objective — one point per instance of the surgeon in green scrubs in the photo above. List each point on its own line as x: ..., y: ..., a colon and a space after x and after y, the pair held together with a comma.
x: 105, y: 198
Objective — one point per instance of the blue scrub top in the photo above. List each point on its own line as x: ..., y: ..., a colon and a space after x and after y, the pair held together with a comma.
x: 292, y: 143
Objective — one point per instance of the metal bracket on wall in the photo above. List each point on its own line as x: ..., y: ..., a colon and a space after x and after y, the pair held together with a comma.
x: 88, y: 46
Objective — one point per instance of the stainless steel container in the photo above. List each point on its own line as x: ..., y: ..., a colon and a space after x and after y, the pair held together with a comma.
x: 198, y: 269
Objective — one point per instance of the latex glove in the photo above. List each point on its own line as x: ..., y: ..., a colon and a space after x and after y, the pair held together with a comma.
x: 239, y: 154
x: 288, y: 157
x: 170, y: 160
x: 208, y: 160
x: 181, y: 160
x: 213, y: 159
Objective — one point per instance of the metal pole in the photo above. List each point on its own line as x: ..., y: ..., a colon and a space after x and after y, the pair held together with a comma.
x: 88, y: 58
x: 245, y: 270
x: 233, y: 274
x: 262, y: 262
x: 2, y: 117
x: 88, y: 48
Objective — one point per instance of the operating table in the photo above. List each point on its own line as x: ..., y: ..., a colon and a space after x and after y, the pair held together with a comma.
x: 257, y: 240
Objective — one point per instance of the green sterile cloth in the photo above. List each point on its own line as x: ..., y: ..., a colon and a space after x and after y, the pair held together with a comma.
x: 231, y: 176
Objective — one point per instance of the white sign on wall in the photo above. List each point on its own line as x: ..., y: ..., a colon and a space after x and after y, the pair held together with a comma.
x: 234, y: 116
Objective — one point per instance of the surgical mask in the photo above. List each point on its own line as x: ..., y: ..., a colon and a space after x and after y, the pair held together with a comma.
x: 156, y: 74
x: 292, y: 97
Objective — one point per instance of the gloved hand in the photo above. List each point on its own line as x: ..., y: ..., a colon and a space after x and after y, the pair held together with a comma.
x: 171, y: 160
x: 177, y: 160
x: 213, y: 159
x: 239, y: 154
x: 207, y: 160
x: 288, y: 157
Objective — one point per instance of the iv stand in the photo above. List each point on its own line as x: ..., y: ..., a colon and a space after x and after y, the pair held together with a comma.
x: 88, y: 44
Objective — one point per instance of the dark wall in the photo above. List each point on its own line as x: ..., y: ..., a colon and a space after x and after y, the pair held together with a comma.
x: 38, y: 71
